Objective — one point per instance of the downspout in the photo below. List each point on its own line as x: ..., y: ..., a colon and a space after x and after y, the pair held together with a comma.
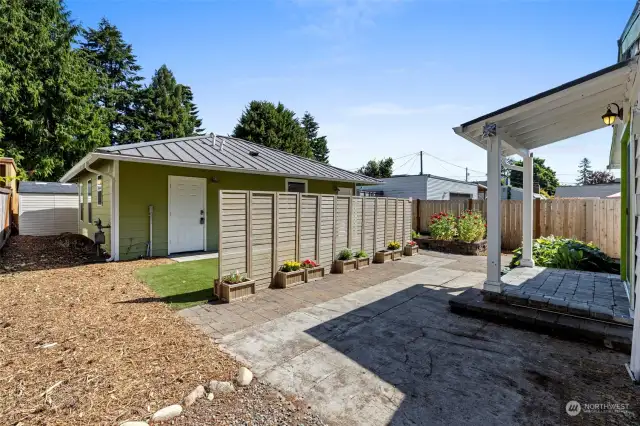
x: 113, y: 180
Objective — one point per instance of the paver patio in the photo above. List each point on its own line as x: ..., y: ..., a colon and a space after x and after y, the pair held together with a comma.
x: 393, y: 353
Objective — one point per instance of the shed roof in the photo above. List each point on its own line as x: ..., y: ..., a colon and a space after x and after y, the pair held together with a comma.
x: 587, y: 191
x: 224, y: 152
x: 28, y: 187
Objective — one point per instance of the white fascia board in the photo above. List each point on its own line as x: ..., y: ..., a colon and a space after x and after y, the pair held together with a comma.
x: 132, y: 159
x: 79, y: 167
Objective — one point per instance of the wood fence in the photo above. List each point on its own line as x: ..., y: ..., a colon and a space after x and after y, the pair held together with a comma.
x: 5, y: 215
x: 259, y: 231
x: 590, y: 220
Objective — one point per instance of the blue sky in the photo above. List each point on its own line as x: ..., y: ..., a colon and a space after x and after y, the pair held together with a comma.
x: 382, y: 77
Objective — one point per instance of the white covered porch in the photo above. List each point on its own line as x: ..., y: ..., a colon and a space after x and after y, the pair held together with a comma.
x: 569, y: 110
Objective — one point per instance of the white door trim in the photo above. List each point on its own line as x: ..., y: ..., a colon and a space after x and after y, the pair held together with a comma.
x: 206, y: 219
x: 115, y: 211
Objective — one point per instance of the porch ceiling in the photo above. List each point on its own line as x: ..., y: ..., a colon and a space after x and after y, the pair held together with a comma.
x: 565, y: 111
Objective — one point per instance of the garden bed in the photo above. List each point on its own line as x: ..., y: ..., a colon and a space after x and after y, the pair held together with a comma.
x: 452, y: 246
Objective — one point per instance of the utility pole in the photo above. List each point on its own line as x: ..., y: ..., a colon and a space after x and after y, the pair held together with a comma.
x: 466, y: 174
x: 420, y: 163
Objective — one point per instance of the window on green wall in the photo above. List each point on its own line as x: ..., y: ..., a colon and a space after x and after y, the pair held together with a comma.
x: 89, y: 212
x: 81, y: 196
x: 99, y: 189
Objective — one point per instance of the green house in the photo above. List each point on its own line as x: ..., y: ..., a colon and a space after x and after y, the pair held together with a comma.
x: 162, y: 197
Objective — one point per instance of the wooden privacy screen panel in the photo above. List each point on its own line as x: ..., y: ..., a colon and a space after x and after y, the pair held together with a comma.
x: 233, y: 233
x: 369, y: 215
x: 259, y: 231
x: 356, y: 223
x: 308, y: 227
x: 589, y: 220
x: 327, y: 246
x: 262, y: 207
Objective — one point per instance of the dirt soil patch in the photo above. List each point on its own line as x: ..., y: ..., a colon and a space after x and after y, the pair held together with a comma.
x: 90, y: 344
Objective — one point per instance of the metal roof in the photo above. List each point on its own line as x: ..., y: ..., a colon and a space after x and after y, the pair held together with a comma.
x: 565, y: 111
x: 587, y: 191
x: 28, y: 187
x: 230, y: 153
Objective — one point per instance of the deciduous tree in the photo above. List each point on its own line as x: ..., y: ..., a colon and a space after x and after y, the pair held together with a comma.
x: 600, y: 177
x: 378, y: 169
x: 542, y: 174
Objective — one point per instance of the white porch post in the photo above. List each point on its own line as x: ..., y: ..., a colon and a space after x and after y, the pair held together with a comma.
x: 527, y: 212
x: 634, y: 364
x: 494, y: 195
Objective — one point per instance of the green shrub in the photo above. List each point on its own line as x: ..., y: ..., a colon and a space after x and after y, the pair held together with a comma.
x: 566, y: 253
x: 360, y: 254
x: 443, y: 226
x: 471, y: 226
x: 414, y: 234
x: 345, y: 254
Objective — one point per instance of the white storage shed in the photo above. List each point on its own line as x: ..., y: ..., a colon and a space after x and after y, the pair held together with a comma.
x: 47, y: 208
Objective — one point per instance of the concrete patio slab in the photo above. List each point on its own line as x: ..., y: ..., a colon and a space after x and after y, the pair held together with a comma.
x: 393, y: 353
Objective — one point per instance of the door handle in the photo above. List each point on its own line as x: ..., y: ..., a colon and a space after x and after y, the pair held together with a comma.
x: 202, y: 221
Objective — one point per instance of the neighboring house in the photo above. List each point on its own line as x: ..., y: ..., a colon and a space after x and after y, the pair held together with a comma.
x: 47, y: 208
x: 513, y: 193
x: 588, y: 191
x: 423, y: 187
x: 162, y: 197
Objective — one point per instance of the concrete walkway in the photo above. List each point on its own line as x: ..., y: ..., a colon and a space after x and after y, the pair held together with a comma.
x: 393, y: 353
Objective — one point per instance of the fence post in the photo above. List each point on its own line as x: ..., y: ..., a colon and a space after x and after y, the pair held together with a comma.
x: 275, y: 233
x: 537, y: 218
x: 362, y: 221
x: 470, y: 204
x: 249, y: 250
x: 318, y: 226
x: 375, y: 224
x: 418, y: 215
x: 350, y: 223
x: 298, y: 228
x: 335, y: 229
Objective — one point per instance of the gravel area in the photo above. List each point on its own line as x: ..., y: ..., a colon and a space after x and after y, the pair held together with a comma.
x: 90, y: 344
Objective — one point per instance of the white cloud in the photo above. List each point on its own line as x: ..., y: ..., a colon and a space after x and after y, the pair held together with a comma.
x: 392, y: 109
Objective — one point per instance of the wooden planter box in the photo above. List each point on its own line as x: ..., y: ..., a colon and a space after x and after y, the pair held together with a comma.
x: 410, y: 250
x: 382, y: 256
x: 232, y: 292
x: 396, y: 254
x: 313, y: 274
x: 363, y: 262
x: 453, y: 246
x: 342, y: 266
x: 288, y: 279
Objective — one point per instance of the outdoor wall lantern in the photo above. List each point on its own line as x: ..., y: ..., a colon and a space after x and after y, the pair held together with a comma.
x: 609, y: 117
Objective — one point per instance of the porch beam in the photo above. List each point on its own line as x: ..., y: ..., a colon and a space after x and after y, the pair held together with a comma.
x: 494, y: 163
x: 527, y: 212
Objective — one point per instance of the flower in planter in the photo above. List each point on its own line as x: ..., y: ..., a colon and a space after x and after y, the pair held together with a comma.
x: 309, y: 264
x: 443, y: 226
x: 471, y: 227
x: 414, y: 234
x: 411, y: 243
x: 345, y: 254
x: 234, y: 278
x: 290, y: 266
x: 360, y: 254
x: 393, y: 245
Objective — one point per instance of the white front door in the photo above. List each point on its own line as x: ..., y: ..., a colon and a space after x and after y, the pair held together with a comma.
x: 187, y: 214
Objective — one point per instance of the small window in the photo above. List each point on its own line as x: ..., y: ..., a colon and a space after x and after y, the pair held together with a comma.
x: 99, y: 189
x: 296, y: 185
x: 89, y: 212
x: 81, y: 194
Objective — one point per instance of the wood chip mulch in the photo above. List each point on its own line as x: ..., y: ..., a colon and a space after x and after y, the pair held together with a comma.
x: 88, y: 343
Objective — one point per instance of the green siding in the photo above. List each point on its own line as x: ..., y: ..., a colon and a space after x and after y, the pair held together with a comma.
x: 144, y: 184
x: 102, y: 212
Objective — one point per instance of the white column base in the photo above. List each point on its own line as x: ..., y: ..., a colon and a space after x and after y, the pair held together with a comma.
x: 527, y: 263
x: 493, y: 286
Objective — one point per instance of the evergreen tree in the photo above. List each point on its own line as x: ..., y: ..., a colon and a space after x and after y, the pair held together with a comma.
x: 273, y: 126
x: 318, y: 144
x: 48, y: 114
x: 120, y: 84
x: 584, y: 172
x: 168, y: 109
x: 377, y: 169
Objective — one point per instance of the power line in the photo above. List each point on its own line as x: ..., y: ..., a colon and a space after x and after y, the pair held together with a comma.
x: 455, y: 165
x: 405, y: 163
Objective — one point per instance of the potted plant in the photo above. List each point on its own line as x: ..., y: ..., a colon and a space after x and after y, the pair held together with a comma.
x: 362, y: 259
x: 392, y: 252
x: 312, y: 271
x: 345, y: 262
x: 290, y: 274
x: 410, y: 248
x: 234, y: 286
